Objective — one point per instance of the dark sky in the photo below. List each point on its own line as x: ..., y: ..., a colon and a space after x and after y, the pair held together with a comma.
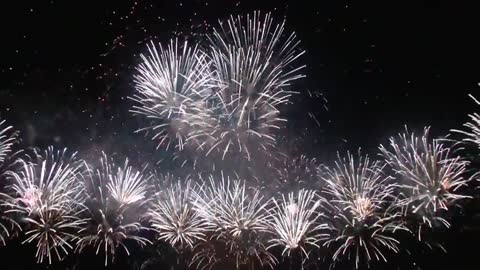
x: 66, y: 70
x: 67, y: 67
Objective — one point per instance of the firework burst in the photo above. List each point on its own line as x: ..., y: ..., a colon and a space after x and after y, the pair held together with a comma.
x: 253, y: 67
x: 171, y: 86
x: 115, y: 199
x: 236, y: 217
x: 473, y: 135
x: 294, y: 221
x: 45, y: 193
x: 429, y: 175
x: 173, y: 217
x: 357, y: 208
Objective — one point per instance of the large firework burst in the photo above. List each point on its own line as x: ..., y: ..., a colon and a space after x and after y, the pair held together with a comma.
x: 173, y: 217
x: 236, y: 217
x: 171, y: 86
x: 428, y: 173
x: 294, y: 221
x: 115, y: 199
x: 45, y: 192
x: 253, y: 64
x: 357, y: 208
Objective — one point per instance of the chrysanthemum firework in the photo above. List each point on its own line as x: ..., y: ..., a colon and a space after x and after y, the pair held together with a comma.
x: 236, y: 217
x: 116, y: 196
x: 254, y: 60
x: 295, y: 222
x: 171, y: 86
x: 428, y: 173
x: 173, y: 217
x: 357, y: 206
x: 473, y: 134
x: 45, y: 192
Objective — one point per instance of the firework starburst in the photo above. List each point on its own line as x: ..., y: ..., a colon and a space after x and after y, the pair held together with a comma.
x: 45, y: 192
x: 173, y: 217
x: 254, y: 64
x: 236, y: 217
x: 171, y: 86
x: 428, y: 173
x: 358, y: 211
x: 294, y: 221
x: 116, y: 196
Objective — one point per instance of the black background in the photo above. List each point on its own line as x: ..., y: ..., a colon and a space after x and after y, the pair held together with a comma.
x: 66, y: 70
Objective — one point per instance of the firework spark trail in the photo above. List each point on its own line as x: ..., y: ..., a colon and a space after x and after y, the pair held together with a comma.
x: 429, y: 175
x: 360, y: 219
x: 116, y: 196
x: 6, y: 141
x: 171, y: 86
x: 294, y: 222
x: 473, y: 135
x: 235, y: 216
x: 173, y: 217
x: 252, y: 61
x: 46, y: 193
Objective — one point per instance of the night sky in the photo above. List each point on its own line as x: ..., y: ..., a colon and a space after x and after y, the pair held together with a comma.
x: 373, y: 67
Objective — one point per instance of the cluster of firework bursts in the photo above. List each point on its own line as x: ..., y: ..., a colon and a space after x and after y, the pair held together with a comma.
x: 221, y: 100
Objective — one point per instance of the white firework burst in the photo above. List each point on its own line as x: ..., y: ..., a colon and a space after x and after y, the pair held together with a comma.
x: 473, y: 135
x: 45, y: 193
x: 295, y: 222
x: 236, y: 216
x: 254, y: 65
x: 173, y: 217
x: 357, y: 205
x: 171, y: 86
x: 428, y: 173
x: 116, y: 196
